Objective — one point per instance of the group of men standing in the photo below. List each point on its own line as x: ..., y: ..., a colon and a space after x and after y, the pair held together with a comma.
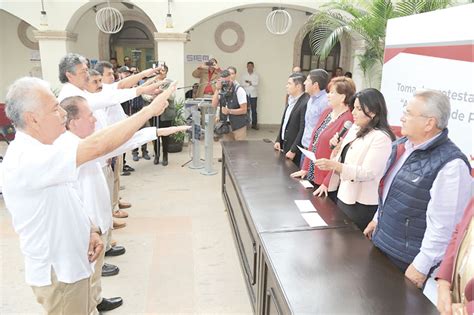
x: 59, y: 185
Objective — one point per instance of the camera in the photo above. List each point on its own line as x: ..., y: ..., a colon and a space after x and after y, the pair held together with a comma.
x: 209, y: 63
x: 226, y: 88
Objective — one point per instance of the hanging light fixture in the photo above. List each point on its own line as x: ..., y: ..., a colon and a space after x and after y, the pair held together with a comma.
x: 279, y: 21
x: 169, y: 18
x: 109, y: 20
x: 43, y: 17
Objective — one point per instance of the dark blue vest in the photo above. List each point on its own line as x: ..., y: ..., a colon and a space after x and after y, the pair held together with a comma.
x: 402, y: 218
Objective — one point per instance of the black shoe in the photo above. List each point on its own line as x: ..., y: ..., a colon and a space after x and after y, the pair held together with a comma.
x: 128, y: 168
x: 146, y: 156
x: 255, y: 127
x: 165, y: 162
x: 115, y: 251
x: 109, y: 304
x: 135, y: 157
x: 109, y: 270
x: 156, y: 161
x: 126, y: 173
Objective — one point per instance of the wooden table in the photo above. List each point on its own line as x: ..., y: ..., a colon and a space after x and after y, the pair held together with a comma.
x: 290, y: 267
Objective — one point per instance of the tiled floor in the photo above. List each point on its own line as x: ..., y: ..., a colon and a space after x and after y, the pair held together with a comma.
x: 180, y: 257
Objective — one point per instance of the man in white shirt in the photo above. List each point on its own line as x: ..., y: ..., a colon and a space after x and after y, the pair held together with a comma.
x: 73, y: 72
x: 40, y: 188
x: 113, y: 114
x: 424, y: 191
x: 250, y: 84
x: 93, y: 188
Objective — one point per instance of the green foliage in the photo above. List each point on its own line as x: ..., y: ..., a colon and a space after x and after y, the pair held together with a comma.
x: 364, y: 19
x: 179, y: 120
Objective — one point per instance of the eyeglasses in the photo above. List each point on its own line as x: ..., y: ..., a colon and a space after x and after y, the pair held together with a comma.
x: 406, y: 114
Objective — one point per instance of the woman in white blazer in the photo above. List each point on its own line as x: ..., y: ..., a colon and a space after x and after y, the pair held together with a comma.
x: 358, y: 163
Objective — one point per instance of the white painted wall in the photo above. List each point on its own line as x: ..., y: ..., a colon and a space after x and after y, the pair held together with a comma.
x: 14, y: 56
x: 87, y: 43
x: 272, y: 55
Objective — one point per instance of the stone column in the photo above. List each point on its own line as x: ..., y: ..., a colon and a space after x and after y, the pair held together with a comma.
x: 357, y: 73
x: 53, y: 46
x: 170, y: 49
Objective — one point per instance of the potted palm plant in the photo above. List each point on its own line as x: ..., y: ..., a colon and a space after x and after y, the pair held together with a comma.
x: 177, y: 139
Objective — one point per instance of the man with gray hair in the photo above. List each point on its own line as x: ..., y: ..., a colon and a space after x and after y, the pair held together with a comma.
x: 40, y: 188
x: 93, y: 186
x: 74, y: 74
x: 424, y: 191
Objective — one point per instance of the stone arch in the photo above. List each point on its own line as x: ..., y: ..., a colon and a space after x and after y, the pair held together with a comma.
x: 104, y: 39
x: 130, y: 11
x: 345, y: 59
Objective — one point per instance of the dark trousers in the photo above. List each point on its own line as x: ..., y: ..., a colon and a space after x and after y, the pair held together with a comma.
x: 143, y: 148
x: 360, y: 214
x: 165, y: 140
x: 253, y: 107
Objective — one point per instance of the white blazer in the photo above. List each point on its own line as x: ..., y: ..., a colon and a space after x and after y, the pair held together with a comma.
x: 363, y: 167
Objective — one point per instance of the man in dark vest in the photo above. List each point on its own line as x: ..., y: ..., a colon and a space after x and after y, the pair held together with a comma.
x: 232, y: 101
x: 424, y: 191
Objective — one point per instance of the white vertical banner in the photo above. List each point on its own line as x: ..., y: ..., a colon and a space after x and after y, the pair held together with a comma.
x: 433, y: 50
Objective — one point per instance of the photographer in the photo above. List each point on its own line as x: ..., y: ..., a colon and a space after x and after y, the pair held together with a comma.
x: 232, y: 100
x: 207, y: 73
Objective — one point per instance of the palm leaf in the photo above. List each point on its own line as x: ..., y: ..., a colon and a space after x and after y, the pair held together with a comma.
x: 366, y: 18
x: 327, y: 29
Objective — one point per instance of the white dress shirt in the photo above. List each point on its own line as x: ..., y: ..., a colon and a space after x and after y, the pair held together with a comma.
x: 250, y: 89
x: 115, y: 112
x: 450, y: 194
x: 94, y: 191
x: 292, y: 100
x: 98, y: 102
x: 41, y: 193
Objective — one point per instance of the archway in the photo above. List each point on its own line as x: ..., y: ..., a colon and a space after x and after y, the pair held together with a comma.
x: 83, y: 22
x: 136, y: 41
x: 343, y: 57
x: 309, y: 61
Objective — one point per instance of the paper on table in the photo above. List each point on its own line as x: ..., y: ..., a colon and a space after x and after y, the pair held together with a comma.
x: 313, y: 219
x: 305, y: 206
x: 310, y: 155
x: 309, y: 213
x: 306, y: 184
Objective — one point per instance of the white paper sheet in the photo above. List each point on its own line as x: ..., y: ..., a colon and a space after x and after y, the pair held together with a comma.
x: 306, y: 184
x: 313, y: 219
x: 305, y: 206
x: 310, y: 155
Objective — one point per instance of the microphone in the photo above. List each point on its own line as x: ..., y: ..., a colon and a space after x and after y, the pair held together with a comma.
x: 347, y: 126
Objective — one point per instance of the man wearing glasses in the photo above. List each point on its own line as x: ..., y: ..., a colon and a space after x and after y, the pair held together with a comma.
x: 424, y: 191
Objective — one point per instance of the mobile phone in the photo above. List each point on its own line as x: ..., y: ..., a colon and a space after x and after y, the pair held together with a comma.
x: 159, y: 64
